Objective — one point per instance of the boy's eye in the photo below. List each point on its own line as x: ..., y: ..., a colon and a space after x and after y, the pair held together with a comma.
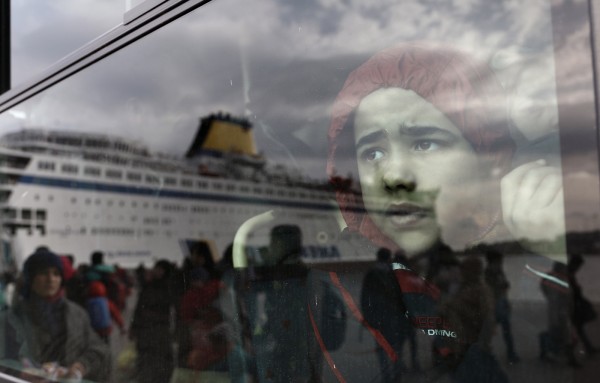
x: 373, y: 154
x: 426, y: 145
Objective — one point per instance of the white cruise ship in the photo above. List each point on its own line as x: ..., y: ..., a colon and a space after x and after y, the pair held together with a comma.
x: 77, y: 192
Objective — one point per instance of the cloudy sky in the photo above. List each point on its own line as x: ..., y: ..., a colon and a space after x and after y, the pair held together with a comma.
x: 281, y: 62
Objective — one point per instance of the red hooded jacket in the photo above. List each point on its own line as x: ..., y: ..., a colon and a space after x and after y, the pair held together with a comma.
x: 465, y: 91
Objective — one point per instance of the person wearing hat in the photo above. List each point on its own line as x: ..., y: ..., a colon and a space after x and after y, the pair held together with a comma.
x: 424, y: 130
x: 44, y: 328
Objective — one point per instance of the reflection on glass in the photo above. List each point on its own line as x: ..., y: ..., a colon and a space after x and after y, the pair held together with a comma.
x: 324, y: 195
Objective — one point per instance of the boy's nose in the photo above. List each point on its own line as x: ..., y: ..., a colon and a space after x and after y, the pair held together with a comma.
x: 399, y: 175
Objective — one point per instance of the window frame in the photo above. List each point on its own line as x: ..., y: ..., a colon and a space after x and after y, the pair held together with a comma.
x: 134, y: 27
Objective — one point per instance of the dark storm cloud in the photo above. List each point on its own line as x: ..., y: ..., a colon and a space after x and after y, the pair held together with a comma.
x: 297, y: 54
x: 45, y: 32
x: 150, y: 91
x: 327, y: 17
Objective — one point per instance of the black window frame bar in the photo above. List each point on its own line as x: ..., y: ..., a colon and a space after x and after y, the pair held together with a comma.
x: 5, y: 46
x: 138, y: 22
x: 594, y: 11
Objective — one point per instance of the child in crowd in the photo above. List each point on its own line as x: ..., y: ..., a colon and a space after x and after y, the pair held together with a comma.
x: 102, y: 311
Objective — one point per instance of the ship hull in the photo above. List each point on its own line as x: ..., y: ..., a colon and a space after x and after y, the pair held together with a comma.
x: 137, y: 223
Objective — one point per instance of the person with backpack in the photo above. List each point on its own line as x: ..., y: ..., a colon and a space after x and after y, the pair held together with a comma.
x: 102, y: 311
x: 99, y: 271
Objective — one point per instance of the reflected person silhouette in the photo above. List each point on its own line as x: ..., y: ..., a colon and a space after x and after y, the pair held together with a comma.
x: 409, y: 331
x: 557, y: 344
x: 381, y: 303
x: 280, y: 287
x: 583, y: 310
x: 471, y: 309
x: 151, y: 326
x: 498, y: 283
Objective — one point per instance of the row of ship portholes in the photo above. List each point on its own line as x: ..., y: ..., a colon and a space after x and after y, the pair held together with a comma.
x: 133, y: 218
x: 115, y: 231
x: 184, y: 182
x: 155, y: 205
x: 135, y: 204
x: 96, y: 231
x: 112, y: 231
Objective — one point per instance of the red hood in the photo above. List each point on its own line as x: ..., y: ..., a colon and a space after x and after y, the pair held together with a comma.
x: 96, y: 289
x: 68, y: 270
x: 465, y: 91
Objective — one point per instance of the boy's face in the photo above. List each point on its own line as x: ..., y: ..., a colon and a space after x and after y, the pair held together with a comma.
x: 415, y: 168
x: 46, y: 283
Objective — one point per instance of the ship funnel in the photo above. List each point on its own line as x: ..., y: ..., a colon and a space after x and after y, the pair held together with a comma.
x: 221, y: 133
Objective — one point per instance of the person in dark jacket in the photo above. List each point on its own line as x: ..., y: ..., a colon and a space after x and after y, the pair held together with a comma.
x: 49, y: 331
x: 151, y: 327
x: 498, y: 283
x: 381, y: 303
x: 75, y: 283
x: 557, y: 343
x: 471, y: 307
x: 583, y: 310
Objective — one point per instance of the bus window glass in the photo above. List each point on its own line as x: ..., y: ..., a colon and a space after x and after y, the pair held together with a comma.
x: 355, y: 177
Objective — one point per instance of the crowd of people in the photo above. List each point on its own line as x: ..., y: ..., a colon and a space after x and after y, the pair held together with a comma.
x: 58, y: 319
x: 198, y: 327
x: 61, y: 318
